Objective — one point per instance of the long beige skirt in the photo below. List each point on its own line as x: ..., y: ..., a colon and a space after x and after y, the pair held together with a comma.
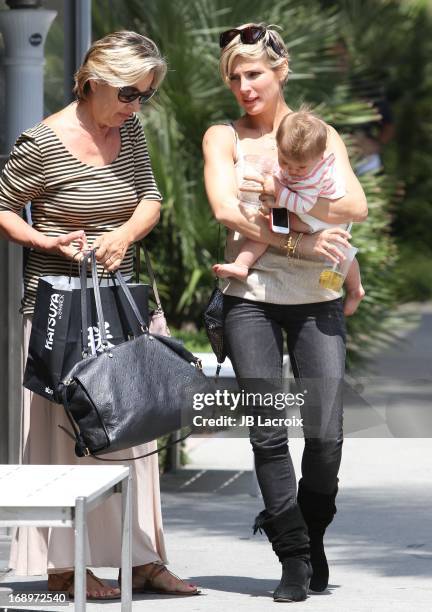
x: 35, y: 550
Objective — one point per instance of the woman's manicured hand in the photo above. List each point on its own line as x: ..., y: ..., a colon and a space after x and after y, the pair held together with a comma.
x: 252, y: 182
x: 67, y: 245
x: 264, y: 185
x: 326, y: 244
x: 271, y: 185
x: 111, y: 248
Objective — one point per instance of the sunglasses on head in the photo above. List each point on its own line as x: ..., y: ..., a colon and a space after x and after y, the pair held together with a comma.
x: 130, y: 94
x: 250, y: 36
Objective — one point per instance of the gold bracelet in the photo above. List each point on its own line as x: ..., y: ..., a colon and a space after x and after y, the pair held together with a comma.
x: 290, y: 246
x: 283, y: 244
x: 299, y: 237
x: 298, y: 242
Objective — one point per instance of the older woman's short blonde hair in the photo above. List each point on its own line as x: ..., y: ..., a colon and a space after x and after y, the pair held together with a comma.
x: 120, y: 59
x: 262, y: 50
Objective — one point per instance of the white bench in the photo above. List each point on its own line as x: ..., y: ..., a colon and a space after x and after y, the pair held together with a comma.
x: 61, y: 496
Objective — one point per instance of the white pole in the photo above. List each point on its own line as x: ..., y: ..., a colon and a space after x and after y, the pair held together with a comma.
x: 24, y: 32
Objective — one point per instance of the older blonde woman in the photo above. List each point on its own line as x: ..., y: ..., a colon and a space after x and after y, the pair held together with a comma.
x: 87, y: 172
x: 282, y: 294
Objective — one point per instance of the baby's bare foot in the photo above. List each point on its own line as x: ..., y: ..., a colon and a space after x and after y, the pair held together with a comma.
x: 235, y: 270
x: 352, y: 300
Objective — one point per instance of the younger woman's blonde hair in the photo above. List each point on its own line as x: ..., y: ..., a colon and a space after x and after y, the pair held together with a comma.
x: 120, y: 59
x: 260, y: 50
x: 302, y: 136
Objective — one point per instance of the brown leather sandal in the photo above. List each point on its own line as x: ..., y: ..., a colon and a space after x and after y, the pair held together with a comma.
x: 64, y: 581
x: 145, y: 583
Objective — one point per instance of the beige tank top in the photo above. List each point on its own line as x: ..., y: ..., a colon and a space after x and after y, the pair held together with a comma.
x: 274, y: 278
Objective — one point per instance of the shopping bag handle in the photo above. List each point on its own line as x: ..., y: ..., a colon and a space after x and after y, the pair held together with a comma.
x: 90, y: 258
x: 127, y: 292
x: 173, y: 344
x: 85, y: 345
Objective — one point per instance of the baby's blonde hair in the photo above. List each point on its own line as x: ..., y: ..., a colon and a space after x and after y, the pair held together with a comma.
x: 301, y: 135
x: 261, y: 50
x: 120, y: 59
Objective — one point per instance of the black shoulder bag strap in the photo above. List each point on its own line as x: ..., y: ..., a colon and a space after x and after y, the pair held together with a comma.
x: 149, y: 272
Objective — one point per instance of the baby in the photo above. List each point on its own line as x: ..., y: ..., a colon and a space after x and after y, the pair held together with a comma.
x: 303, y: 174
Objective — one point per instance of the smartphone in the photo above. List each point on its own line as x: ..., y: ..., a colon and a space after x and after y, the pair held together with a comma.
x: 279, y: 220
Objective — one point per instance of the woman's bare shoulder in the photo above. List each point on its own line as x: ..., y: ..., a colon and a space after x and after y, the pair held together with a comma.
x: 219, y: 131
x: 59, y: 120
x: 335, y: 143
x: 333, y: 135
x: 219, y: 137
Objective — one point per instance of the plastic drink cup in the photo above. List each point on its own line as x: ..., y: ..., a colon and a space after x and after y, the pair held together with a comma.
x: 333, y: 276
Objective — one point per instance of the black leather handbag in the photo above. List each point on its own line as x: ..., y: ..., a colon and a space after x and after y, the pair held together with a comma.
x: 131, y: 393
x: 214, y: 325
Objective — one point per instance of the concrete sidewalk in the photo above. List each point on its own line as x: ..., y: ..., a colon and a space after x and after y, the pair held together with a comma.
x: 379, y: 546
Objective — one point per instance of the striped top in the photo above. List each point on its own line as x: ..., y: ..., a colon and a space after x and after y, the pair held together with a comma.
x: 300, y: 194
x: 67, y: 194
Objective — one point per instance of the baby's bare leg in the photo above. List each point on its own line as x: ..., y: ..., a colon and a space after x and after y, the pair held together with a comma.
x: 239, y: 269
x: 354, y: 289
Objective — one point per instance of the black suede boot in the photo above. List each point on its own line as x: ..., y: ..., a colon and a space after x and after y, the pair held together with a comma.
x: 287, y: 534
x: 318, y: 510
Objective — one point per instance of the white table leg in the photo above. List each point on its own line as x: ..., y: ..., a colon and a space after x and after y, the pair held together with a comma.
x: 80, y: 556
x: 126, y: 554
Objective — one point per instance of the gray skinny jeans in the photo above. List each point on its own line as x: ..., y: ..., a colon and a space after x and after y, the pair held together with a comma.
x: 316, y: 346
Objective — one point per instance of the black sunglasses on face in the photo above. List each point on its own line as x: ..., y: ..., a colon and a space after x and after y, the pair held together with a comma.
x: 250, y: 36
x: 130, y: 94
